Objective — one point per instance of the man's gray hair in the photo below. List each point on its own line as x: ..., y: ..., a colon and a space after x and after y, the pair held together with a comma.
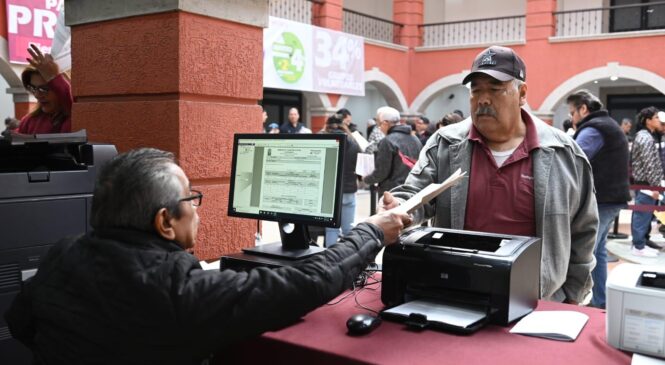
x: 517, y: 83
x: 388, y: 114
x: 132, y: 188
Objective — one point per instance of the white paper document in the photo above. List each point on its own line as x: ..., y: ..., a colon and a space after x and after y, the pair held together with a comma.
x: 555, y: 325
x: 646, y: 360
x: 365, y: 164
x: 430, y: 192
x: 360, y: 140
x: 439, y: 312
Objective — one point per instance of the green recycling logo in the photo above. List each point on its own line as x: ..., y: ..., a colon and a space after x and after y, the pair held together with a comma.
x: 288, y: 56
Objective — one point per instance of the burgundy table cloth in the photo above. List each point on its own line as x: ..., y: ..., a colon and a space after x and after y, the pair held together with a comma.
x: 321, y: 338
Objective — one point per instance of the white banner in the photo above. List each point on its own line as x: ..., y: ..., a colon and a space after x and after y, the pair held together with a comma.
x: 298, y: 56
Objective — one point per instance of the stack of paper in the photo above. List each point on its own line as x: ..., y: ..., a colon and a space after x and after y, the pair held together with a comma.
x: 365, y: 164
x: 555, y: 325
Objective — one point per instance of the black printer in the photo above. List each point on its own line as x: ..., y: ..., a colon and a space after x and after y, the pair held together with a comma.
x: 46, y: 185
x: 496, y: 275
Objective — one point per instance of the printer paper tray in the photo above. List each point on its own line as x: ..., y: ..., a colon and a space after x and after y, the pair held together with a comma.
x: 422, y: 314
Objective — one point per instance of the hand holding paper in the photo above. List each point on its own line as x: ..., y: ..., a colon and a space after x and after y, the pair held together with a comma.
x: 430, y: 192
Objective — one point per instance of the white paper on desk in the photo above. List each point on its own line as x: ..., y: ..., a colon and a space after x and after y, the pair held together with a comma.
x: 360, y: 140
x: 430, y: 192
x: 555, y: 325
x: 646, y: 360
x: 365, y: 164
x: 439, y: 312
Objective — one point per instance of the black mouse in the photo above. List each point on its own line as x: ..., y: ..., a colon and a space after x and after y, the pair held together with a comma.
x: 360, y: 324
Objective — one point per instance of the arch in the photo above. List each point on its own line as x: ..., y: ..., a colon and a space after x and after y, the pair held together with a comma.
x: 317, y: 100
x: 611, y: 70
x: 422, y: 101
x: 386, y: 86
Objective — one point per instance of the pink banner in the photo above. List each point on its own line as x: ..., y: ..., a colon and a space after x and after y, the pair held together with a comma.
x: 30, y: 21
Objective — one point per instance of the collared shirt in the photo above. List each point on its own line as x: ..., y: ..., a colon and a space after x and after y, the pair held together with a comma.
x: 501, y: 199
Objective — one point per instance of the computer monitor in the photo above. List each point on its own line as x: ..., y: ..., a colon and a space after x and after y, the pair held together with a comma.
x: 294, y: 179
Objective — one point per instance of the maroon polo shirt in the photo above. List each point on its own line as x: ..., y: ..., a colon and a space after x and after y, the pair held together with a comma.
x: 501, y: 199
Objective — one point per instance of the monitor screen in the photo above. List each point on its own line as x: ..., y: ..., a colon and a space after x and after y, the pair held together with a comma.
x: 293, y: 178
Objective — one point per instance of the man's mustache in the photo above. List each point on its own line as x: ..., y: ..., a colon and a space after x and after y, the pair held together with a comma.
x: 486, y: 110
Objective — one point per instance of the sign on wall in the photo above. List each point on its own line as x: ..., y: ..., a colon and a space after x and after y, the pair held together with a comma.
x: 298, y: 56
x: 30, y: 21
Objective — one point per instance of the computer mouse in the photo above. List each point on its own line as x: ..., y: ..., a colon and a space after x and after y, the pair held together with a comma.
x: 360, y: 324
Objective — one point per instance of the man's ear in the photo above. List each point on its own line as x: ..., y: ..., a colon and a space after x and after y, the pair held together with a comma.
x: 162, y: 224
x: 523, y: 94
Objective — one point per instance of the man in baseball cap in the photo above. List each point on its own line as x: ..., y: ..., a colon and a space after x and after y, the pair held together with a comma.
x: 525, y: 177
x: 501, y: 63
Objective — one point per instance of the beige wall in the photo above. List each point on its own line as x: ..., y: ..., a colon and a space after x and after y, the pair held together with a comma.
x: 437, y: 11
x: 379, y: 8
x: 564, y: 5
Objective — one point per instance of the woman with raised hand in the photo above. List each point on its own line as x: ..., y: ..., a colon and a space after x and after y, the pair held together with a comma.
x: 53, y: 93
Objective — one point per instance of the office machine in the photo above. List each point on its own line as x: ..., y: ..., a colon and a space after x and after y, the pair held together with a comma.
x: 294, y: 179
x: 46, y: 194
x: 635, y: 319
x: 460, y: 280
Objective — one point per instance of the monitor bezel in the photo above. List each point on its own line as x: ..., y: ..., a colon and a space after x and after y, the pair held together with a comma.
x: 289, y: 218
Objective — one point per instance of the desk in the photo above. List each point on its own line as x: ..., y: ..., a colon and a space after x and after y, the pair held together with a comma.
x: 321, y: 339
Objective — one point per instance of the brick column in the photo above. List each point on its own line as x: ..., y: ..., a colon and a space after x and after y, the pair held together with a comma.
x: 182, y: 76
x: 540, y: 22
x: 328, y: 14
x: 409, y: 13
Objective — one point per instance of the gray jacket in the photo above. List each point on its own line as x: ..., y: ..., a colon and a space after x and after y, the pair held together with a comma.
x: 566, y: 212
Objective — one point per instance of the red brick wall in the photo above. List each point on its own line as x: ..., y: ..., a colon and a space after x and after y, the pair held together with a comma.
x: 179, y: 82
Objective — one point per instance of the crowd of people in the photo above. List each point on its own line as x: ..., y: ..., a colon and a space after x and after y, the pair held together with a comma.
x: 131, y: 291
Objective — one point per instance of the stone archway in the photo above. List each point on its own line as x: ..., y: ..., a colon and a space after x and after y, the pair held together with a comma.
x: 386, y: 86
x: 613, y: 69
x: 425, y: 97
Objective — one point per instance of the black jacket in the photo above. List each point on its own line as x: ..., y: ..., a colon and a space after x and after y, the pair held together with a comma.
x: 130, y: 297
x: 349, y: 179
x: 389, y: 170
x: 610, y: 164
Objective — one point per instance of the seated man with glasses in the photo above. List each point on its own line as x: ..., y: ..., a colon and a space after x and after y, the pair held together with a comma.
x: 130, y: 293
x: 53, y: 93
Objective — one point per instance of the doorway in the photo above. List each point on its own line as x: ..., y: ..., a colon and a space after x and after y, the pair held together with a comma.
x: 278, y: 102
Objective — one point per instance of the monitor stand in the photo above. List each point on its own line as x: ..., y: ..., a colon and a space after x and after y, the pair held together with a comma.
x: 296, y: 244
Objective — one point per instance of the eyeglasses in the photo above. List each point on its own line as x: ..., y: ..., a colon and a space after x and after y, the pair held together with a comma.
x: 37, y: 89
x: 196, y: 198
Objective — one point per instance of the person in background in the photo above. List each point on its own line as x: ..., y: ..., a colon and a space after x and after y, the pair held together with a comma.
x: 375, y: 136
x: 293, y: 126
x: 347, y: 119
x: 422, y: 128
x: 11, y: 125
x: 647, y: 169
x: 627, y: 126
x: 335, y: 124
x: 412, y: 124
x: 606, y: 147
x: 399, y: 148
x: 524, y: 177
x: 53, y: 93
x: 265, y: 122
x: 129, y: 292
x: 273, y: 128
x: 448, y: 119
x: 459, y: 112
